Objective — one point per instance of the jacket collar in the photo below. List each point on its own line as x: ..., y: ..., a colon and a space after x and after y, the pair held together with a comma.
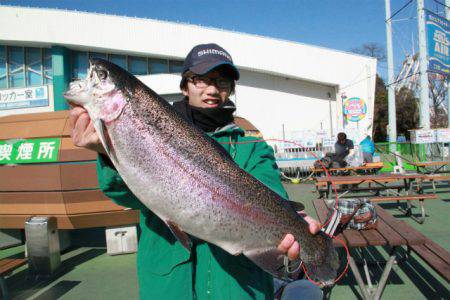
x: 229, y: 129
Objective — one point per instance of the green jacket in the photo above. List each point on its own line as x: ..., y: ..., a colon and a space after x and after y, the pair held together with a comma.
x: 166, y: 270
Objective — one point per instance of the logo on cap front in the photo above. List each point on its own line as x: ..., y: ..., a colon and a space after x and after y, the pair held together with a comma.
x: 213, y: 51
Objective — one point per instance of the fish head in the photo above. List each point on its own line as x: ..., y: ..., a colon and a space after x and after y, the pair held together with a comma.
x: 105, y: 91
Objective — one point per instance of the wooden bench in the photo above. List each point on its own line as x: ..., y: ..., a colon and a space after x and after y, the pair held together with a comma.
x: 7, y: 265
x: 322, y: 189
x: 67, y: 189
x: 369, y: 168
x: 389, y: 232
x: 435, y: 177
x: 435, y: 256
x: 408, y: 198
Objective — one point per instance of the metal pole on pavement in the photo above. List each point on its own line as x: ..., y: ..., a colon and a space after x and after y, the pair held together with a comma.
x: 424, y: 98
x: 447, y: 16
x: 391, y: 91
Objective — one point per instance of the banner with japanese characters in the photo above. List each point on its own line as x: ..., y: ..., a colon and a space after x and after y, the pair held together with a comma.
x: 24, y: 97
x: 29, y: 151
x: 438, y: 40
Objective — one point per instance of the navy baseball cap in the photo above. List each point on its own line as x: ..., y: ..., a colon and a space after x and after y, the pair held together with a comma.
x: 205, y: 57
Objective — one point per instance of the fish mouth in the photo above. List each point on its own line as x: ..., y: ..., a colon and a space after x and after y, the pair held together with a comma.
x: 76, y: 93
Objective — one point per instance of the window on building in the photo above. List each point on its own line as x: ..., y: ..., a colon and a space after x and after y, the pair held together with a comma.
x: 16, y: 67
x: 48, y: 72
x: 3, y: 79
x: 33, y: 62
x: 24, y: 66
x: 97, y: 55
x: 137, y: 65
x: 79, y: 65
x: 120, y: 60
x: 175, y: 66
x: 158, y: 66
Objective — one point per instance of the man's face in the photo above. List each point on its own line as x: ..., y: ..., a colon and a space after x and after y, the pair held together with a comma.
x: 208, y: 91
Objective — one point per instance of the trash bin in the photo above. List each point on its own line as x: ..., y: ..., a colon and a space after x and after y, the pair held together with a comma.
x: 42, y: 243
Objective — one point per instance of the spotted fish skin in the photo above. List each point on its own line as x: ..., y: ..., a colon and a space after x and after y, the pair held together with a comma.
x: 185, y: 178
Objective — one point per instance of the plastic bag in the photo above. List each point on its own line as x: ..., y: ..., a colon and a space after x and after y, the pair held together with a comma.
x: 356, y: 159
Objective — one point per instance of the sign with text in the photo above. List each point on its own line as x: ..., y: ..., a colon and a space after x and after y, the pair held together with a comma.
x: 438, y: 41
x: 443, y: 135
x: 355, y: 109
x: 29, y: 151
x: 329, y: 142
x: 422, y: 136
x: 24, y: 97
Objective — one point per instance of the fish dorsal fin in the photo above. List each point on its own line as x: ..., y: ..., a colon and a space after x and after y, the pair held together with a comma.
x: 181, y: 236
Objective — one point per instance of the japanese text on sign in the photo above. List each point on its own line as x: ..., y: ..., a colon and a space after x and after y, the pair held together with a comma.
x: 29, y: 151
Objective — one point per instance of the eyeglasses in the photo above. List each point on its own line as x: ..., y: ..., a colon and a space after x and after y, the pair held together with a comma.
x: 204, y: 81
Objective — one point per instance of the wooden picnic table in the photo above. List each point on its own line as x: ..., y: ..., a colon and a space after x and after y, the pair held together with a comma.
x: 435, y: 171
x: 366, y: 168
x: 354, y: 183
x: 390, y: 232
x: 431, y: 167
x: 400, y: 189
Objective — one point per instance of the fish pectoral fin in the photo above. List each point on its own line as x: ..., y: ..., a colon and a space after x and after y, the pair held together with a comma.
x: 181, y: 236
x: 100, y: 128
x: 113, y: 107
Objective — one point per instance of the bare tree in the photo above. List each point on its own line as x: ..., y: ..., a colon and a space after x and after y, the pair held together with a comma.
x: 438, y: 90
x: 371, y: 49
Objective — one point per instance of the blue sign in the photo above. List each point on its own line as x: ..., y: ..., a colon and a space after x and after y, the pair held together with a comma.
x: 24, y: 97
x: 438, y: 41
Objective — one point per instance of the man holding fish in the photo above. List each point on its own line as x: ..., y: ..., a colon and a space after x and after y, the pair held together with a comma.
x: 166, y: 270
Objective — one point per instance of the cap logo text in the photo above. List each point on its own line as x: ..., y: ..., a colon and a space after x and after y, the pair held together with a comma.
x: 214, y: 51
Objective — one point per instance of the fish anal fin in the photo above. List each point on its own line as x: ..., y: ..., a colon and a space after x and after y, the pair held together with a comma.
x: 181, y: 236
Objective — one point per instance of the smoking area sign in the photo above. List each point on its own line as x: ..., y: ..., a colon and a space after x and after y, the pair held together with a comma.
x: 438, y: 41
x: 29, y: 151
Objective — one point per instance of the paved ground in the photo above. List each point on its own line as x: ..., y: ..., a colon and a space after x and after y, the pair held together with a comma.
x: 89, y: 273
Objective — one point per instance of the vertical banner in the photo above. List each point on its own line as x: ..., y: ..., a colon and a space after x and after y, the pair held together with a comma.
x: 438, y: 41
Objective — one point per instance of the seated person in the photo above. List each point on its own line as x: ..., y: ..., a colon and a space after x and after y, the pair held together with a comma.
x: 368, y: 149
x: 343, y: 146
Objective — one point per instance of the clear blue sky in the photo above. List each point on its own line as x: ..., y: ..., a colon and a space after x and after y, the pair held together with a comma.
x: 336, y: 24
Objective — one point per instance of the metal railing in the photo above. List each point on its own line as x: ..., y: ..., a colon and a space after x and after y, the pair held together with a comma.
x: 411, y: 153
x: 296, y: 162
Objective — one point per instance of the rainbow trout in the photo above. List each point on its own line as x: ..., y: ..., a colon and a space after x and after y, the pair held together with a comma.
x: 186, y: 179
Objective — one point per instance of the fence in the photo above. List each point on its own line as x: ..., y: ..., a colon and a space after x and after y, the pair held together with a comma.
x: 296, y: 162
x: 411, y: 153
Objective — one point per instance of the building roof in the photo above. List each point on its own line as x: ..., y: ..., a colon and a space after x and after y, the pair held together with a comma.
x: 99, y: 32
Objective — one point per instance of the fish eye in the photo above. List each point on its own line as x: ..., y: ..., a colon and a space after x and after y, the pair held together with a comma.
x: 102, y: 74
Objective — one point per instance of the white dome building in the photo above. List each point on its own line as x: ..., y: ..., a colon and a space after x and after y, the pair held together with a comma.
x: 287, y: 89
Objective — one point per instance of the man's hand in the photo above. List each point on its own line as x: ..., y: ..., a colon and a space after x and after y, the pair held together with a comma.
x: 290, y: 246
x: 83, y: 131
